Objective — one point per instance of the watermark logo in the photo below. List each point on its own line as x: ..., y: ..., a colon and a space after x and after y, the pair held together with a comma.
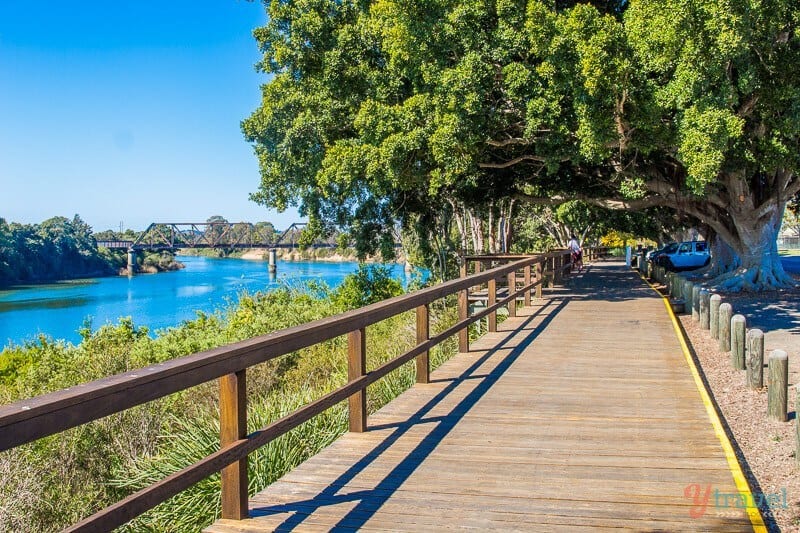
x: 705, y: 496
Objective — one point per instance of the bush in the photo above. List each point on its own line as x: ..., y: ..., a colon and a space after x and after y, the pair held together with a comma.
x: 370, y: 284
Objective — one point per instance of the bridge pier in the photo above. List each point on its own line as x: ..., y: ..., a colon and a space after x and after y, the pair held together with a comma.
x: 273, y: 260
x: 131, y: 261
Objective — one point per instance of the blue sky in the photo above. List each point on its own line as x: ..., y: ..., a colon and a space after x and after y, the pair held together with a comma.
x: 129, y: 111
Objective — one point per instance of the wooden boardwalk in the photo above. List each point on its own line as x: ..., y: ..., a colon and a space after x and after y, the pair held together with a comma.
x: 580, y: 414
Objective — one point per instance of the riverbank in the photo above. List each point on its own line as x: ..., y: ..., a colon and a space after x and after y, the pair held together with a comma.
x: 57, y: 481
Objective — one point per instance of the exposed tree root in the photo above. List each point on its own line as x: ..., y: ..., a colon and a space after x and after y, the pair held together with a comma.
x: 754, y: 279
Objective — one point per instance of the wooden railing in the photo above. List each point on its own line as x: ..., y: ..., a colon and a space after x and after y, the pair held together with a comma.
x: 32, y: 419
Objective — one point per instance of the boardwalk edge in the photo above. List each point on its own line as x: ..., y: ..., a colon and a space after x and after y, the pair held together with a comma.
x: 754, y: 513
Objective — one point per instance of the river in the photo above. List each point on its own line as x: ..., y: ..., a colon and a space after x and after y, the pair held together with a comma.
x: 154, y: 300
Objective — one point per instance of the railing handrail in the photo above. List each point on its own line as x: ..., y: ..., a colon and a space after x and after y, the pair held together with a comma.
x: 27, y: 420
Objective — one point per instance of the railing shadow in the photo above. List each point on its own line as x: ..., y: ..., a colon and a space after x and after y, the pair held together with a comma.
x: 369, y: 501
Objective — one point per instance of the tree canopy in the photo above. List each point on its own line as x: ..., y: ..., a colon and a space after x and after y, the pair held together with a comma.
x: 380, y: 111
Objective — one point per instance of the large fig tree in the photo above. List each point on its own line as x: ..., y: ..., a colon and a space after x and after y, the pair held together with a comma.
x: 378, y: 110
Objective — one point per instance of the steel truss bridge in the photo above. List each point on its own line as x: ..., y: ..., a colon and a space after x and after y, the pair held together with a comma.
x: 177, y: 235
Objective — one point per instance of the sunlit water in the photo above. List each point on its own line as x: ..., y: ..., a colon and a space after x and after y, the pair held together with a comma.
x: 153, y: 300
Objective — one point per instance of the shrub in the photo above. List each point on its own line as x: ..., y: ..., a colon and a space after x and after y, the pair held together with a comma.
x: 369, y: 284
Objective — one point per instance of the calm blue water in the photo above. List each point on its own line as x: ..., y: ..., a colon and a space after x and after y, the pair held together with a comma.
x: 153, y: 300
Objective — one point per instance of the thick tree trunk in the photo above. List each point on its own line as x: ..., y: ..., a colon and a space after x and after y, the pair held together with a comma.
x: 750, y: 261
x: 723, y: 258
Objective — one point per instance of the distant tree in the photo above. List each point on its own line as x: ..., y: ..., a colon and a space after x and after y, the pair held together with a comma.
x: 213, y: 232
x: 791, y: 222
x: 58, y: 248
x: 265, y: 232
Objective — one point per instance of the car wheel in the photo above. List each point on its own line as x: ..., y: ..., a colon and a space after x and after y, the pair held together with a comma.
x: 668, y: 264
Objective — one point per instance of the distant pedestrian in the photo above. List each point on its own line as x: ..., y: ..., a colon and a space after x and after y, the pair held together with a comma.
x: 576, y: 253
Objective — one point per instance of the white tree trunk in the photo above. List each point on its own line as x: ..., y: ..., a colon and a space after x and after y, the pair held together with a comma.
x: 477, y: 232
x: 490, y: 230
x: 585, y: 232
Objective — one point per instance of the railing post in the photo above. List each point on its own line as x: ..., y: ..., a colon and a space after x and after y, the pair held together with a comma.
x: 233, y: 427
x: 538, y: 270
x: 558, y: 273
x: 553, y: 270
x: 491, y: 300
x: 512, y: 288
x: 463, y: 311
x: 423, y: 359
x: 527, y: 301
x: 357, y: 367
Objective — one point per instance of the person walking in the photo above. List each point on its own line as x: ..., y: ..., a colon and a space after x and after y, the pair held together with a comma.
x: 576, y: 253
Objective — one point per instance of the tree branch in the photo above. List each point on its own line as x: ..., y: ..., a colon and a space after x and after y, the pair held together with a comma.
x: 513, y: 162
x: 609, y: 203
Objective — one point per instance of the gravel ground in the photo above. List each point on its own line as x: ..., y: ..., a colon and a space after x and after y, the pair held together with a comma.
x: 766, y: 449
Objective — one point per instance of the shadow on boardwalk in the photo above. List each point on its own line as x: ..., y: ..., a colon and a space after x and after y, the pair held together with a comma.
x: 371, y: 500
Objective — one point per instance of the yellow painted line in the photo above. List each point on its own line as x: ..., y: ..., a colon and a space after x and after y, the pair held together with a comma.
x: 733, y: 463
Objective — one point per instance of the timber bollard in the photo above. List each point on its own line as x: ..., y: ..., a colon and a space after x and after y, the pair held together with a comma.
x: 713, y: 314
x: 696, y: 302
x: 677, y: 286
x: 738, y: 332
x: 755, y: 359
x: 725, y: 312
x: 778, y: 385
x: 704, y: 311
x: 687, y: 294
